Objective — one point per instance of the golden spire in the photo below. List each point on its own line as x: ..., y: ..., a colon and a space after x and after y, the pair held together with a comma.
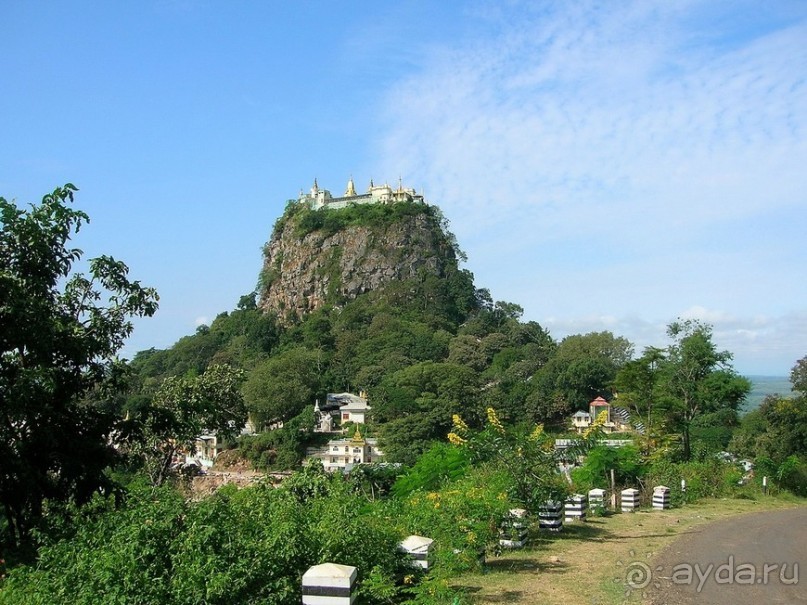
x: 351, y: 189
x: 357, y: 436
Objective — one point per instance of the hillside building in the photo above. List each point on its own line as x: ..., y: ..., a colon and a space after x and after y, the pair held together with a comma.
x: 614, y: 422
x: 318, y: 198
x: 338, y: 409
x: 344, y: 454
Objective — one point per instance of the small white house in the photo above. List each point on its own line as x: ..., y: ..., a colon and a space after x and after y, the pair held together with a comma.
x: 340, y: 408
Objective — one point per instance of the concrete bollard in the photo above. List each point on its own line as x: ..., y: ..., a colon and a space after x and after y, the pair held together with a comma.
x: 630, y: 500
x: 550, y: 516
x: 419, y: 549
x: 329, y: 584
x: 576, y: 508
x: 661, y: 497
x: 596, y: 500
x: 513, y: 532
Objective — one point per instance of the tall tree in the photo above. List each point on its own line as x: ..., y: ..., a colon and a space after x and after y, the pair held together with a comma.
x: 60, y: 332
x: 279, y: 388
x: 183, y: 408
x: 698, y: 378
x: 636, y: 383
x: 583, y: 367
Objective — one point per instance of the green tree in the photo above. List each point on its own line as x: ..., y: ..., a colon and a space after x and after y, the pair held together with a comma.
x: 60, y: 331
x: 183, y: 408
x: 698, y: 378
x: 583, y: 367
x: 636, y: 383
x: 279, y: 388
x: 798, y: 376
x: 415, y: 405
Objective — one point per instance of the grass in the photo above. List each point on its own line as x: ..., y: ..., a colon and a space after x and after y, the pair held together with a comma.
x: 586, y: 563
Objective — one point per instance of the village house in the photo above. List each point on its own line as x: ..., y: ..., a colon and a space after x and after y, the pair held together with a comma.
x: 339, y: 409
x: 344, y: 454
x: 617, y: 420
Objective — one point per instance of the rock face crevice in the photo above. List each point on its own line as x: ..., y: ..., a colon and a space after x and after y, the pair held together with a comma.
x: 302, y: 274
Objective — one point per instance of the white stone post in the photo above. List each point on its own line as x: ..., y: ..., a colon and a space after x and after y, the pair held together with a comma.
x: 596, y: 500
x: 329, y: 584
x: 576, y: 508
x: 661, y: 497
x: 550, y: 516
x: 513, y: 533
x: 419, y: 549
x: 630, y: 500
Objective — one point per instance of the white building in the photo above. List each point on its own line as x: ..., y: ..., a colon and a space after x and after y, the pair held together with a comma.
x: 344, y: 454
x: 340, y: 408
x: 614, y: 422
x: 376, y: 194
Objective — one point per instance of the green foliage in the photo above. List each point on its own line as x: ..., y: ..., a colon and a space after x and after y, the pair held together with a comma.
x: 697, y: 378
x: 710, y: 478
x: 442, y: 463
x: 790, y: 474
x: 595, y: 472
x: 582, y: 368
x: 282, y: 448
x: 60, y: 331
x: 183, y: 408
x: 798, y: 377
x: 462, y: 517
x: 776, y: 435
x: 374, y: 480
x: 414, y: 406
x: 241, y: 339
x: 528, y: 460
x: 282, y: 386
x: 246, y: 546
x: 328, y: 221
x: 776, y: 430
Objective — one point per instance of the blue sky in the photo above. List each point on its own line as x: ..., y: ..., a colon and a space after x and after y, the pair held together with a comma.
x: 608, y: 166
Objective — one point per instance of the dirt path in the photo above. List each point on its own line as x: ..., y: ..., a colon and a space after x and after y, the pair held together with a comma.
x: 751, y: 559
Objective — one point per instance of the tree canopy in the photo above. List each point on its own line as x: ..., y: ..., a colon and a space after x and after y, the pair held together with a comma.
x: 60, y: 331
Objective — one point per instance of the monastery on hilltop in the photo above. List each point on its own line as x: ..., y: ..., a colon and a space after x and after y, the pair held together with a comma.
x: 376, y: 194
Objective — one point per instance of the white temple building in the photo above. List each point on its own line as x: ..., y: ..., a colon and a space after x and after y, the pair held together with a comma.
x: 318, y: 198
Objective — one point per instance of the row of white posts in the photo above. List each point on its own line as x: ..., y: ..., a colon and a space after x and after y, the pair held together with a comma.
x: 554, y: 514
x: 332, y: 584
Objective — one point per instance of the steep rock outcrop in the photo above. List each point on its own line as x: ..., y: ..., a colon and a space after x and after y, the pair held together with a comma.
x: 301, y: 274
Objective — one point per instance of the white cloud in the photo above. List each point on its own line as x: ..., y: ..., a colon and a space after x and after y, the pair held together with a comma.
x: 201, y: 321
x: 619, y: 163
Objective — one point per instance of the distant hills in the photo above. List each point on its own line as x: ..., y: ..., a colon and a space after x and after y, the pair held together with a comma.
x: 762, y: 386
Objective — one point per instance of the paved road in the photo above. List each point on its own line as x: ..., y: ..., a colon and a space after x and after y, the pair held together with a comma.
x: 754, y: 559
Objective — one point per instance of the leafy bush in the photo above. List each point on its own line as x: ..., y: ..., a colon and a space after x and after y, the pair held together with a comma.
x: 462, y: 517
x: 329, y: 221
x: 626, y: 462
x: 442, y: 463
x: 246, y: 546
x: 711, y: 478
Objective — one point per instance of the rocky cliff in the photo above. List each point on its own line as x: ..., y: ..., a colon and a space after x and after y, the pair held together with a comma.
x: 337, y: 260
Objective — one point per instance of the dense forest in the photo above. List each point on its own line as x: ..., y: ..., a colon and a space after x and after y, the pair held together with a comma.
x: 465, y: 396
x: 432, y: 346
